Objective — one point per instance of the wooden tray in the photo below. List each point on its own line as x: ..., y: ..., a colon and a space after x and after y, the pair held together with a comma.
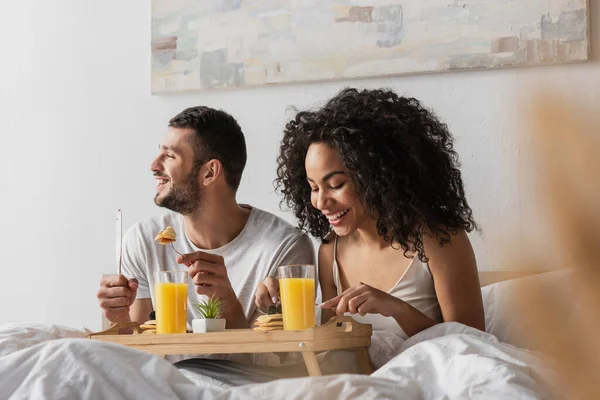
x: 338, y: 333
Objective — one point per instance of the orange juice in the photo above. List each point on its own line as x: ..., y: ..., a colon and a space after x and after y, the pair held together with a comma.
x: 171, y: 307
x: 297, y: 303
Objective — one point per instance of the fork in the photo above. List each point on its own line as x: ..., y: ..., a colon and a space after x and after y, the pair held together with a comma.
x: 174, y: 249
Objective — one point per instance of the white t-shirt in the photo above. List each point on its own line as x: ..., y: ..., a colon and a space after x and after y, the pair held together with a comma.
x: 265, y: 243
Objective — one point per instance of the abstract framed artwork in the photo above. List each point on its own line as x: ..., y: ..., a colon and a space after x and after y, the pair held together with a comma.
x: 210, y: 44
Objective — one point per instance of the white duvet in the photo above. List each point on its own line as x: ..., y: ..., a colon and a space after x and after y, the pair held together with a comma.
x: 447, y: 361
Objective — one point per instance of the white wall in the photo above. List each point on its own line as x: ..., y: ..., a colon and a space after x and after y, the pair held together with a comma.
x: 79, y: 129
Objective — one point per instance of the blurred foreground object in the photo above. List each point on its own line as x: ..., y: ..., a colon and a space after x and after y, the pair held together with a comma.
x: 565, y: 324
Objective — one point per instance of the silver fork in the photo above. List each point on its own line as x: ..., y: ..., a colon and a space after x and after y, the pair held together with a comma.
x: 175, y: 249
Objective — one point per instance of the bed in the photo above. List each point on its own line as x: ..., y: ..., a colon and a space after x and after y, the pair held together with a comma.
x: 449, y: 360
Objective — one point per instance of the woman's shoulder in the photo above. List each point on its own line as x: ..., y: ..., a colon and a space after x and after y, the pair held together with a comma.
x: 328, y: 244
x: 456, y: 251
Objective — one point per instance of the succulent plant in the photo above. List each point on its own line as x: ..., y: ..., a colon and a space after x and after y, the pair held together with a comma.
x: 209, y: 309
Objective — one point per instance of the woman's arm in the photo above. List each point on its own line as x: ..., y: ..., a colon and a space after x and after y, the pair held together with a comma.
x: 456, y: 280
x: 456, y: 283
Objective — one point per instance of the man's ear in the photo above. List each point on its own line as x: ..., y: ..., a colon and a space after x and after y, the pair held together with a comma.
x: 210, y: 172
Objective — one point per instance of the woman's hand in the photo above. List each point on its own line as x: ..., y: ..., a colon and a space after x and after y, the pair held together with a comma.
x: 363, y: 299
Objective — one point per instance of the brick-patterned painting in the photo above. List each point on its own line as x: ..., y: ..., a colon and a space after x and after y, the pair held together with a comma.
x: 205, y: 44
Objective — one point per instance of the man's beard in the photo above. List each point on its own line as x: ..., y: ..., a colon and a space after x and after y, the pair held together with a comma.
x: 183, y: 197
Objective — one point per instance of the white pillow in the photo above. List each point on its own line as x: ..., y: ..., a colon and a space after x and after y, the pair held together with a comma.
x: 506, y: 317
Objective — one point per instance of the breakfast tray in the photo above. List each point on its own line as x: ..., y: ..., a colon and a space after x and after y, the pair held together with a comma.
x: 338, y: 333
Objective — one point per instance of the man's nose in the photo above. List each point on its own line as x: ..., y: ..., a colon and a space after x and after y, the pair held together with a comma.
x: 156, y: 165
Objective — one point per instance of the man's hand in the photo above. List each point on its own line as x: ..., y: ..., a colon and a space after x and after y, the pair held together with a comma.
x: 116, y: 295
x: 267, y: 293
x: 209, y: 274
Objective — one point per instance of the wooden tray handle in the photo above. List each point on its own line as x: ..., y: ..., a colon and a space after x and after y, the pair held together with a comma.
x: 115, y: 328
x: 343, y: 324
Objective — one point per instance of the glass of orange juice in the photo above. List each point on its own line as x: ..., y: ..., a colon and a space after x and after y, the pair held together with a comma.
x: 171, y: 294
x: 297, y: 289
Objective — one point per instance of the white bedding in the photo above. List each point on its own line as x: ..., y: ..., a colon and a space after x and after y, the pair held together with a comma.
x: 447, y: 361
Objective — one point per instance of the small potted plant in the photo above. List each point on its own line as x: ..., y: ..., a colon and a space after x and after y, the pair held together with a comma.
x: 210, y: 311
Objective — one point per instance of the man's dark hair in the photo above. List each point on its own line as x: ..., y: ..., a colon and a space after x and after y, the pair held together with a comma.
x: 217, y: 135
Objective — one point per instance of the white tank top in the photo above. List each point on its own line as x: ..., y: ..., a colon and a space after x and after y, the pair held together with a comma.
x: 415, y: 287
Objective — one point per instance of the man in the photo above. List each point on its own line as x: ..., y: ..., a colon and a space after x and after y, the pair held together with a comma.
x: 228, y: 248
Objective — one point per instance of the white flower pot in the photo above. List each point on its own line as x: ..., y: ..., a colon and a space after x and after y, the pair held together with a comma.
x: 208, y: 325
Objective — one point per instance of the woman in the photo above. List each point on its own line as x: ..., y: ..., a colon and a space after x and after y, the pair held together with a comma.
x: 375, y: 176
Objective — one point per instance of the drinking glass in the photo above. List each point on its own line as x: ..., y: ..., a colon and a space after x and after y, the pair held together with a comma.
x: 297, y: 289
x: 171, y: 295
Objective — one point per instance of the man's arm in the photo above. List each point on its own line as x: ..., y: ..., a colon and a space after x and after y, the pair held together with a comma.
x: 209, y: 274
x: 135, y: 266
x: 140, y: 310
x: 125, y: 298
x: 300, y: 251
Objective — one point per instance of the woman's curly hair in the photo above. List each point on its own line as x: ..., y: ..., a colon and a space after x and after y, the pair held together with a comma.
x: 399, y: 156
